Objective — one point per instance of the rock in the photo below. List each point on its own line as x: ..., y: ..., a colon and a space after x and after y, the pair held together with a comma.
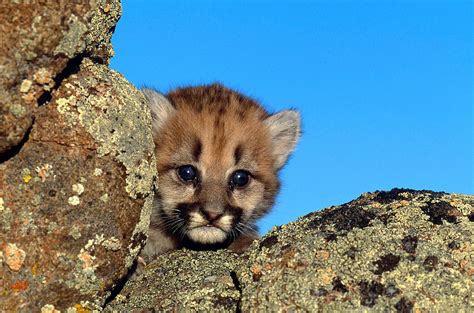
x: 40, y: 43
x: 401, y: 250
x: 76, y: 190
x: 76, y: 198
x: 184, y: 281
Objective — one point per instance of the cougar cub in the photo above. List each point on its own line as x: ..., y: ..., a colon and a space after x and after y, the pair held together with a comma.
x: 218, y: 153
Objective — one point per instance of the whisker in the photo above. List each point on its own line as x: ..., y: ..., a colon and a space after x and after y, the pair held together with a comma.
x: 238, y: 229
x: 233, y: 234
x: 245, y: 226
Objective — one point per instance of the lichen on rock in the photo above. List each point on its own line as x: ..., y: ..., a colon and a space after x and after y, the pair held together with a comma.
x: 39, y: 41
x: 184, y: 281
x: 77, y: 177
x: 122, y: 127
x: 116, y: 116
x: 369, y: 253
x: 402, y: 250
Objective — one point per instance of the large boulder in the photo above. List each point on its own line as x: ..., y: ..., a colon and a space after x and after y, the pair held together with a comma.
x: 77, y: 177
x: 402, y: 250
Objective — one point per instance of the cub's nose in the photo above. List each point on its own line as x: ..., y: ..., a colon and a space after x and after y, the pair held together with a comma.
x: 211, y: 216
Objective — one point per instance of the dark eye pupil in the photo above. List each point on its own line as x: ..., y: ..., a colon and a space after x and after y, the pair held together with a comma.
x: 240, y: 178
x: 187, y: 173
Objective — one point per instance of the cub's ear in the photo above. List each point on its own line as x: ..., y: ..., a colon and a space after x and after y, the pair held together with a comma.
x: 284, y: 130
x: 160, y: 107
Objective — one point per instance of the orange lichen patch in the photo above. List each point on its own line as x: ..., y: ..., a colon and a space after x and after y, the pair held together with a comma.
x: 14, y: 256
x: 80, y: 309
x: 256, y: 272
x: 29, y: 97
x: 464, y: 247
x: 256, y: 269
x: 20, y: 285
x: 43, y: 76
x: 323, y: 254
x: 87, y: 260
x: 326, y: 275
x: 44, y: 171
x: 463, y: 263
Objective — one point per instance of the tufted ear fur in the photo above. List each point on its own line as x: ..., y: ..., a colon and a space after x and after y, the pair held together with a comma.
x: 161, y: 108
x: 285, y: 131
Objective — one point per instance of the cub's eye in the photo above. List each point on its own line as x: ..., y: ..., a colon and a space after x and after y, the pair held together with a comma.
x: 240, y: 179
x: 187, y: 173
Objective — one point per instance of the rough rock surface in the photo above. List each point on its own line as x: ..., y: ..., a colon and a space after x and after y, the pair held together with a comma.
x: 39, y: 39
x: 402, y: 250
x: 77, y: 172
x: 184, y: 281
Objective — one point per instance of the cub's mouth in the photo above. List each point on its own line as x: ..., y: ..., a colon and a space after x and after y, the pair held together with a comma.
x: 197, y: 225
x: 202, y: 229
x: 201, y: 225
x: 207, y: 234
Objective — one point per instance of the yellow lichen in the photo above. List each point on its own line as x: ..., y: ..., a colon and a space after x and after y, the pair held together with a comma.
x: 25, y: 85
x: 27, y: 178
x: 34, y: 269
x: 80, y: 309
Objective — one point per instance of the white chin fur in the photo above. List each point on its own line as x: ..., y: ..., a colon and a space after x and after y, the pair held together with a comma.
x: 207, y: 235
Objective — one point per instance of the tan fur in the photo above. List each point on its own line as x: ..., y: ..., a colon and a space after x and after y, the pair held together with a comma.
x: 211, y: 127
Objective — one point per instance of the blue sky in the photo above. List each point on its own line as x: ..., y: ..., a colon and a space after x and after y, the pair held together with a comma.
x: 385, y: 88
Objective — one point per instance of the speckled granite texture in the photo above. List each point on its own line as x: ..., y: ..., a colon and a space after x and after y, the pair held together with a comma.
x: 403, y: 250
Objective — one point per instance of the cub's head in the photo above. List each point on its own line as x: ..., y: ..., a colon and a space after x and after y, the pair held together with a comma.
x: 218, y: 154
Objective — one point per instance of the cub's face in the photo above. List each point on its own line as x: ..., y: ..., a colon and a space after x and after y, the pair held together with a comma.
x: 218, y: 154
